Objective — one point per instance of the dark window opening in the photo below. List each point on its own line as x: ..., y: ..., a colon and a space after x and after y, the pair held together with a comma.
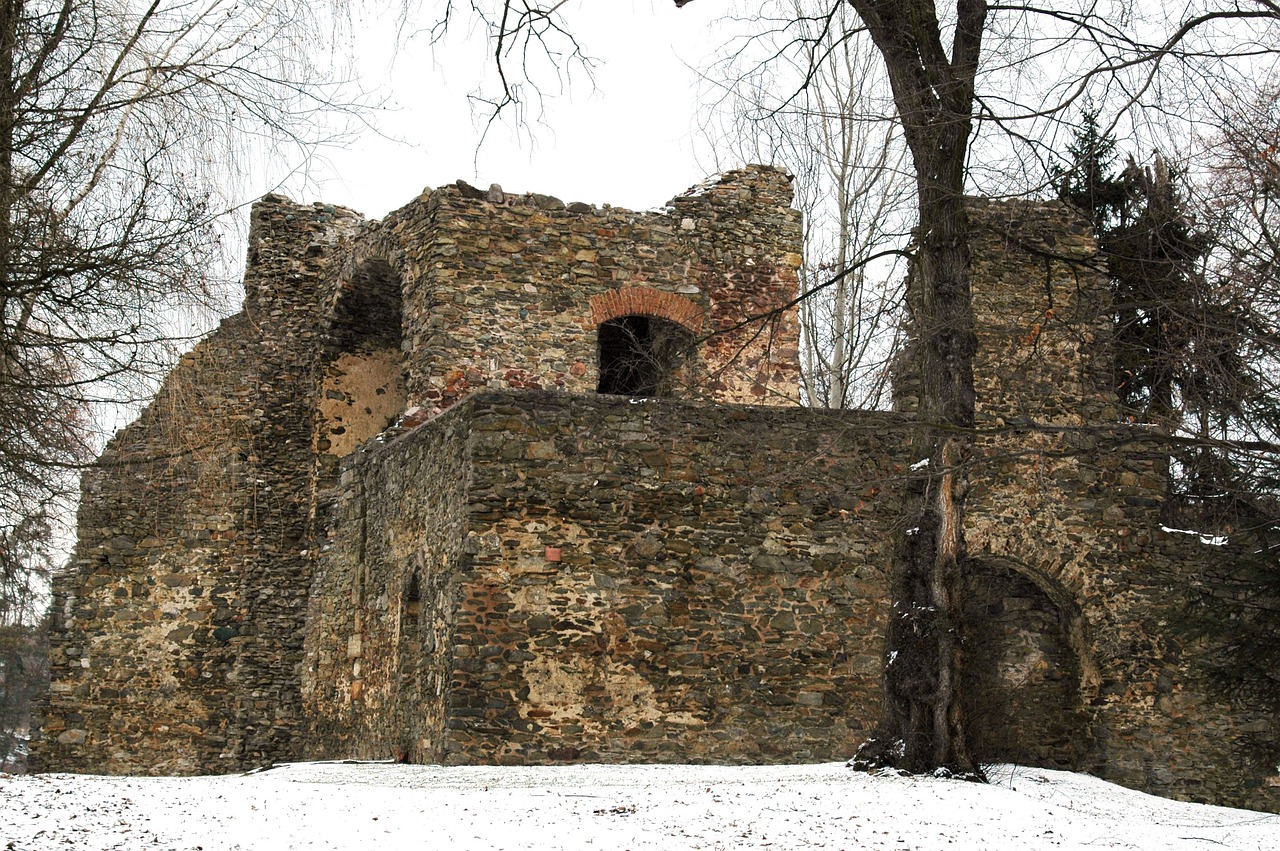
x: 641, y: 355
x: 367, y: 314
x: 413, y: 602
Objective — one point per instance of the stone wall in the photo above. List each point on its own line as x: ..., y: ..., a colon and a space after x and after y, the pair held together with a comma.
x: 507, y: 291
x: 647, y: 580
x: 265, y: 571
x: 610, y: 580
x: 1040, y: 307
x: 1067, y: 499
x: 177, y: 634
x: 145, y: 621
x: 1078, y: 515
x: 1040, y: 310
x: 178, y: 631
x: 382, y: 607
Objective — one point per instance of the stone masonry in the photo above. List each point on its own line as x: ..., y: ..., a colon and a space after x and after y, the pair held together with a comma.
x: 385, y: 512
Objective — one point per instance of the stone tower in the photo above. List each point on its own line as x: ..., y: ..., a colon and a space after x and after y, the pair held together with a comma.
x: 178, y: 628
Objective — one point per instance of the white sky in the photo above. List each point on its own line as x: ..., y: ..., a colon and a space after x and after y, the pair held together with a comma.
x: 630, y: 142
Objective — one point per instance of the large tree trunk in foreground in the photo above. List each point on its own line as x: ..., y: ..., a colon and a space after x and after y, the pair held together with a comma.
x: 922, y: 728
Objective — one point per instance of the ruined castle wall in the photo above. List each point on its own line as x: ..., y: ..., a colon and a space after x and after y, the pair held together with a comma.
x: 635, y: 582
x: 382, y: 604
x: 1050, y: 477
x: 141, y: 663
x: 509, y: 293
x: 1077, y: 590
x: 1079, y: 514
x: 202, y: 514
x: 1040, y: 308
x: 177, y: 633
x: 1072, y: 495
x: 1040, y: 312
x: 649, y: 581
x: 747, y: 262
x: 1163, y: 725
x: 290, y: 293
x: 538, y: 577
x: 670, y: 582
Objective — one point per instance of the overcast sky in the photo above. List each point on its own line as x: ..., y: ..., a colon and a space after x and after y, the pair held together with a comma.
x: 629, y: 141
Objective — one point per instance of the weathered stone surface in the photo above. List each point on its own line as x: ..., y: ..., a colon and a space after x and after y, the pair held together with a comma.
x: 508, y: 574
x: 1064, y: 520
x: 509, y: 294
x: 179, y: 628
x: 685, y: 620
x: 179, y: 653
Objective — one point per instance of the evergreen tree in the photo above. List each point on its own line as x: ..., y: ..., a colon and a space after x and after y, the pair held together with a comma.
x: 1088, y: 182
x: 1179, y: 341
x: 1195, y: 352
x: 1158, y: 295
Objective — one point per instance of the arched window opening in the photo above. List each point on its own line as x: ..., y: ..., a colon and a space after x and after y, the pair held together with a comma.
x: 362, y: 387
x: 641, y: 355
x: 367, y: 313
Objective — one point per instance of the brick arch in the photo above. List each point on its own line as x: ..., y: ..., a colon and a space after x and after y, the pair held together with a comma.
x: 646, y: 301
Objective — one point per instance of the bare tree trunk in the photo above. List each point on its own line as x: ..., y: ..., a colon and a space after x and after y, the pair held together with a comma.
x: 922, y: 728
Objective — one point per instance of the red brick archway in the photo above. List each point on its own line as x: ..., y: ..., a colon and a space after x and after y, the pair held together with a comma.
x: 646, y: 301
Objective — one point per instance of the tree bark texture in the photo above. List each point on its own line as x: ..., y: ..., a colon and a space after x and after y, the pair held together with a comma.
x: 922, y: 729
x: 10, y: 11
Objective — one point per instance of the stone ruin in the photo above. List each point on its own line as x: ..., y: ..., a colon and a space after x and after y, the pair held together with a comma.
x: 499, y: 480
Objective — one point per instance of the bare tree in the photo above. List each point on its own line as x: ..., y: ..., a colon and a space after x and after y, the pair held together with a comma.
x: 531, y: 44
x: 1241, y: 207
x: 24, y: 663
x: 832, y: 127
x: 1232, y: 467
x: 123, y: 127
x: 933, y: 87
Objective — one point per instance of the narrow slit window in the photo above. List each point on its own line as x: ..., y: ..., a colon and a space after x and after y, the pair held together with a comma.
x: 413, y: 603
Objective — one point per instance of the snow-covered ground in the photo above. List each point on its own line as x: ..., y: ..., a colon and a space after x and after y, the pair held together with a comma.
x: 391, y: 807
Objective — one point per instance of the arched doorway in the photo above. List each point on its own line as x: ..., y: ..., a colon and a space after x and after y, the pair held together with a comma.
x: 1026, y: 668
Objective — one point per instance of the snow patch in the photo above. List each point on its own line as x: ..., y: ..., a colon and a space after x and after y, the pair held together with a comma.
x: 336, y: 805
x: 1210, y: 540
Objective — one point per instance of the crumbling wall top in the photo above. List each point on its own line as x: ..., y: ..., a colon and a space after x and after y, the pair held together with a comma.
x: 289, y: 244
